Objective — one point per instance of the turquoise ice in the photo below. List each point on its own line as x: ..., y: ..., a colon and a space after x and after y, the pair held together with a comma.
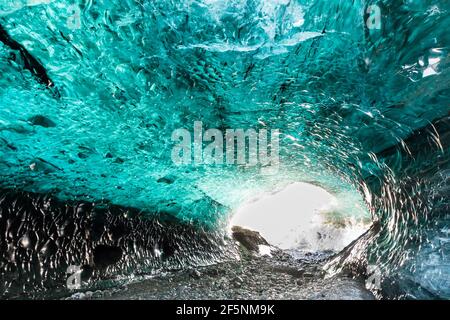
x: 362, y: 103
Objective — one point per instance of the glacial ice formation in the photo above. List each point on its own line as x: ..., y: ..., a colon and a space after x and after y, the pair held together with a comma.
x: 91, y: 91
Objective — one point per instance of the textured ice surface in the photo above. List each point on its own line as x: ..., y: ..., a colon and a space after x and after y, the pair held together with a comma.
x: 357, y: 108
x: 133, y: 73
x: 44, y: 239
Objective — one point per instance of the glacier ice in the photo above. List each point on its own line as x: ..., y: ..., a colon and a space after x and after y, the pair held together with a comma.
x: 90, y: 94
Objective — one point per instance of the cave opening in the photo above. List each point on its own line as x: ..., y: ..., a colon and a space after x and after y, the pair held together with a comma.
x: 304, y: 216
x: 358, y: 90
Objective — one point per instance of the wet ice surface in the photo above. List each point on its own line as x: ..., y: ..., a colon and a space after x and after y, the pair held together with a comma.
x: 253, y: 277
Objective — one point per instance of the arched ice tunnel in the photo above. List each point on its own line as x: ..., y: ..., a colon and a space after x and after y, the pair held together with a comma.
x: 92, y: 92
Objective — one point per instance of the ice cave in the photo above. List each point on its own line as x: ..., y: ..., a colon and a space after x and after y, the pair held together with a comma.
x: 353, y: 96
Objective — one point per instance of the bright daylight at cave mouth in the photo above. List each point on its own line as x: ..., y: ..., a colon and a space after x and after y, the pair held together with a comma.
x: 298, y: 217
x: 224, y: 149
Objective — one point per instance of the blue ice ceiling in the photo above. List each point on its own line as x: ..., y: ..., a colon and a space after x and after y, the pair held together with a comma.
x: 91, y: 91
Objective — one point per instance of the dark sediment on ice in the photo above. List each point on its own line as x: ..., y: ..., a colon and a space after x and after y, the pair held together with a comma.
x: 126, y: 255
x: 275, y: 276
x: 40, y: 237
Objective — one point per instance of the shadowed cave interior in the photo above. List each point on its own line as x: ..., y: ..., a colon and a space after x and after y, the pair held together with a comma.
x: 91, y: 94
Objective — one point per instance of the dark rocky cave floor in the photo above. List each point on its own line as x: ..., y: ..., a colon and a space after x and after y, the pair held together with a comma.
x: 285, y: 274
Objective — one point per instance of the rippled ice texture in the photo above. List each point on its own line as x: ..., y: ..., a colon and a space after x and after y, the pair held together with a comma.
x: 357, y: 108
